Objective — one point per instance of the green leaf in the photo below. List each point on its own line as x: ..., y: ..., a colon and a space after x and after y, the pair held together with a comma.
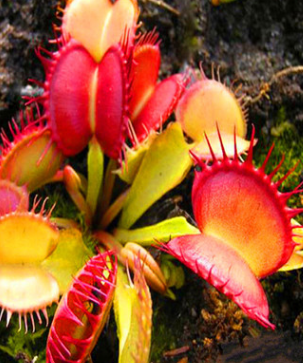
x: 108, y: 185
x: 123, y: 300
x: 95, y: 161
x: 69, y: 256
x: 174, y: 274
x: 74, y: 187
x: 134, y: 159
x: 163, y: 232
x: 164, y: 166
x: 113, y: 210
x: 133, y: 313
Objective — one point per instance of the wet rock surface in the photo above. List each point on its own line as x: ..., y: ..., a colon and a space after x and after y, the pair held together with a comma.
x: 24, y: 25
x: 268, y: 348
x: 248, y: 40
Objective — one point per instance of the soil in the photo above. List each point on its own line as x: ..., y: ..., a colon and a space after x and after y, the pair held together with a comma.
x: 269, y: 348
x: 248, y: 41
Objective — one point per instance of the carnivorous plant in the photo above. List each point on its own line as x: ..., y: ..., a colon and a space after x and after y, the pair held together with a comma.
x: 101, y: 96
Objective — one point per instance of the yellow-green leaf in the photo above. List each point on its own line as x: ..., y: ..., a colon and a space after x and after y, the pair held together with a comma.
x: 113, y: 210
x: 164, y: 166
x: 163, y: 232
x: 69, y: 256
x: 133, y: 313
x: 108, y: 185
x: 95, y: 161
x: 133, y: 161
x: 123, y: 301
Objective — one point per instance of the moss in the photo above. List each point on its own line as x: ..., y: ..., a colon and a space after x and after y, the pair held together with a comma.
x: 19, y: 346
x: 164, y: 335
x: 64, y: 207
x: 285, y: 136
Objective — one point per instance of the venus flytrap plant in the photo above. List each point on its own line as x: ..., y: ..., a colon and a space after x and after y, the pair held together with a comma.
x: 151, y: 103
x: 21, y: 273
x: 29, y: 278
x: 132, y: 252
x: 98, y: 117
x: 74, y: 117
x: 107, y: 23
x: 28, y: 161
x: 83, y: 311
x: 13, y: 197
x: 133, y: 312
x: 162, y: 231
x: 100, y: 93
x: 174, y: 275
x: 206, y: 104
x: 246, y: 232
x: 28, y: 156
x: 76, y: 189
x: 165, y: 165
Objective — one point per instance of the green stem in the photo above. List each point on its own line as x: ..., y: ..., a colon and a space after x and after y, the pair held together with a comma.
x: 65, y: 223
x: 110, y: 243
x: 95, y: 165
x: 89, y: 359
x: 113, y: 210
x: 109, y: 181
x: 73, y: 186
